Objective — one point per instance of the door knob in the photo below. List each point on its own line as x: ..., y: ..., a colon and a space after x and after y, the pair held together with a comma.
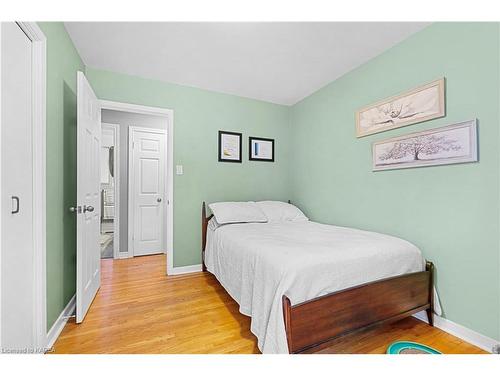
x: 88, y: 209
x: 77, y: 209
x: 158, y: 200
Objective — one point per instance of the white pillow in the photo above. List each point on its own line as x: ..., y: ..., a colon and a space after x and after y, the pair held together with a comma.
x: 237, y: 212
x: 280, y: 211
x: 213, y: 224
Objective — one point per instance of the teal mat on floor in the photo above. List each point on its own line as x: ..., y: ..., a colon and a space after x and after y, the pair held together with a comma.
x: 408, y: 347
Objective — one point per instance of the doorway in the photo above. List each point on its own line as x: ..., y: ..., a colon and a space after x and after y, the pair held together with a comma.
x: 91, y: 115
x: 151, y: 129
x: 110, y: 187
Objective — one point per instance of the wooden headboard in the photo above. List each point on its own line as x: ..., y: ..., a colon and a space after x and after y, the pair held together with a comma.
x: 204, y: 225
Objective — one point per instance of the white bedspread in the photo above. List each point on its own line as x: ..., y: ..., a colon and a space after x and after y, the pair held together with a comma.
x: 258, y: 263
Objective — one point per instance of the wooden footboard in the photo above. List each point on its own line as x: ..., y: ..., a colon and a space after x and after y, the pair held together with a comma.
x: 321, y: 319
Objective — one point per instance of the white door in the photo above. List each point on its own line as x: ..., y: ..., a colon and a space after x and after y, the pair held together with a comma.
x: 88, y: 265
x: 17, y: 253
x: 147, y: 170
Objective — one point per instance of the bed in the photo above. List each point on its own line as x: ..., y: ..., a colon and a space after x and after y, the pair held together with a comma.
x: 304, y: 283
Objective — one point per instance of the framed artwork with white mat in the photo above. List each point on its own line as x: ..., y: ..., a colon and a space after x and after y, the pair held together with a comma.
x: 229, y: 146
x: 260, y: 149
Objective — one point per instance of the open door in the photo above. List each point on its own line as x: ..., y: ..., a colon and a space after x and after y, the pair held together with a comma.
x: 88, y: 265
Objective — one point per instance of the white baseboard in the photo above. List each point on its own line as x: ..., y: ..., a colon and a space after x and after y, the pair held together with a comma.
x: 60, y: 322
x: 186, y: 269
x: 123, y: 255
x: 464, y: 333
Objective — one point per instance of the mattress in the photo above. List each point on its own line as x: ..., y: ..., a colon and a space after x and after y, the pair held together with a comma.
x: 258, y: 263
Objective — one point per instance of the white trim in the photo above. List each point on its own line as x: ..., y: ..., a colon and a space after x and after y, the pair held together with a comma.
x: 39, y: 175
x: 116, y: 168
x: 39, y: 88
x: 135, y: 108
x: 170, y: 193
x: 464, y: 333
x: 185, y: 269
x: 131, y: 172
x: 60, y: 322
x: 169, y: 115
x: 130, y: 197
x: 0, y: 183
x: 123, y: 255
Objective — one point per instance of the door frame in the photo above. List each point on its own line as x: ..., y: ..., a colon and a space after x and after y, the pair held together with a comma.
x: 131, y: 172
x: 168, y: 115
x: 38, y: 110
x: 116, y: 168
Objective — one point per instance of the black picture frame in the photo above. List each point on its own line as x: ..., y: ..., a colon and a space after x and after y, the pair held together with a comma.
x: 253, y: 158
x: 220, y: 158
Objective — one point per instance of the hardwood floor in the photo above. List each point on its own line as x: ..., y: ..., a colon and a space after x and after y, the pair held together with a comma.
x: 141, y: 310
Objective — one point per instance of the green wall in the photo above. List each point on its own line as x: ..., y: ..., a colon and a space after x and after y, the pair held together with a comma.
x: 198, y: 116
x: 62, y: 64
x: 450, y: 212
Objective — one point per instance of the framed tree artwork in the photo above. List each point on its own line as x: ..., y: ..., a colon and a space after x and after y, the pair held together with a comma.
x: 260, y: 149
x: 445, y: 145
x: 423, y: 103
x: 229, y: 147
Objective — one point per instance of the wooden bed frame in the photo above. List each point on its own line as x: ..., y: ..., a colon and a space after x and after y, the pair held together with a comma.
x: 319, y: 320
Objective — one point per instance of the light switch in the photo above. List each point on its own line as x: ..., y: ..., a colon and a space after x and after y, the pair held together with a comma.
x: 179, y: 170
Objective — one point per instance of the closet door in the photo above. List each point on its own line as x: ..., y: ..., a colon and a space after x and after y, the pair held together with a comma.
x: 147, y: 186
x: 17, y: 252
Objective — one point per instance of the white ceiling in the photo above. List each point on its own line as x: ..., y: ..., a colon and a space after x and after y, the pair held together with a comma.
x: 275, y: 62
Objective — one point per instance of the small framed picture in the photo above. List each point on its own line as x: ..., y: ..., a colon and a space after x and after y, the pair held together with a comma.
x: 229, y: 147
x: 261, y: 149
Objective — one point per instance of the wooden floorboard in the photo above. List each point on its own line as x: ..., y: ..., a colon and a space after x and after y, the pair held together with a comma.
x: 141, y: 310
